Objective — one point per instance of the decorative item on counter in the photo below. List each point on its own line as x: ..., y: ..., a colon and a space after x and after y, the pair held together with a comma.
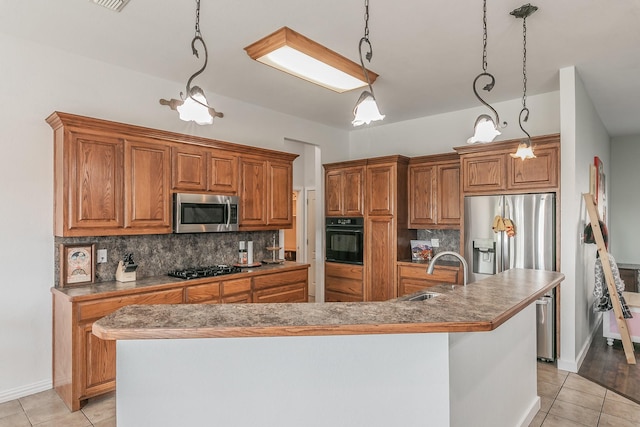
x: 250, y: 252
x: 421, y: 250
x: 126, y: 271
x: 274, y: 250
x: 245, y: 255
x: 509, y: 227
x: 77, y: 264
x: 242, y: 253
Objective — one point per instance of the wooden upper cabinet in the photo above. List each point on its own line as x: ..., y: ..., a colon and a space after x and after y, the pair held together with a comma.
x: 434, y: 191
x: 88, y: 168
x: 253, y: 192
x: 381, y: 184
x: 280, y: 194
x: 344, y: 189
x: 188, y: 169
x: 223, y: 172
x: 490, y: 169
x: 147, y: 195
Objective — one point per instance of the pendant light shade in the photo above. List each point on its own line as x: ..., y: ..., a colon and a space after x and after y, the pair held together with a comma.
x: 366, y: 109
x: 485, y: 128
x: 192, y: 105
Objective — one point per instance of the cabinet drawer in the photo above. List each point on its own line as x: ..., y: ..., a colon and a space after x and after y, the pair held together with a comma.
x: 236, y: 286
x: 296, y: 292
x: 98, y: 309
x: 279, y: 279
x: 410, y: 286
x: 209, y: 292
x: 346, y: 271
x: 440, y: 274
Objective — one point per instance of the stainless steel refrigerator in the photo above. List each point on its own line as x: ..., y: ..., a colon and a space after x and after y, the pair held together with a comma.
x: 532, y: 246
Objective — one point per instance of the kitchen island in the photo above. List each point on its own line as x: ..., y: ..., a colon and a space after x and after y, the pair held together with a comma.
x: 465, y: 357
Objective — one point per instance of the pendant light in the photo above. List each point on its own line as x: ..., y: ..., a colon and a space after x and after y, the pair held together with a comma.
x: 525, y: 150
x: 485, y: 128
x: 193, y: 106
x: 366, y: 109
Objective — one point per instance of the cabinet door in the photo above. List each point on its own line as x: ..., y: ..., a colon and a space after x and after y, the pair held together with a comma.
x: 100, y: 363
x: 381, y: 189
x: 253, y: 192
x: 538, y: 173
x: 147, y: 195
x: 207, y: 293
x: 380, y: 259
x: 422, y: 179
x: 296, y: 292
x: 353, y: 191
x: 223, y: 172
x: 333, y: 193
x: 188, y: 169
x: 95, y: 183
x: 484, y: 173
x: 280, y: 194
x: 448, y: 205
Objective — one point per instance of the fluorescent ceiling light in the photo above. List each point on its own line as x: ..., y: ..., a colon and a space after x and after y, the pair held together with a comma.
x: 115, y: 5
x: 300, y: 56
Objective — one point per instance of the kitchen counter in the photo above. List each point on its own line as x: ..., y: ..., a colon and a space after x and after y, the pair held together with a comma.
x: 481, y: 306
x: 157, y: 283
x: 465, y: 357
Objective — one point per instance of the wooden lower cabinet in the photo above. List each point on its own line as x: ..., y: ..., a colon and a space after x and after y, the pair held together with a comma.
x: 343, y: 282
x: 413, y: 277
x: 84, y: 366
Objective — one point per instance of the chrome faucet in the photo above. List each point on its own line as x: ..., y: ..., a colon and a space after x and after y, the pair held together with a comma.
x: 465, y: 266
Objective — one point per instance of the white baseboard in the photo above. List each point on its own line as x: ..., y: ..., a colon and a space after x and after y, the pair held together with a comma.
x: 574, y: 365
x: 535, y: 407
x: 16, y: 393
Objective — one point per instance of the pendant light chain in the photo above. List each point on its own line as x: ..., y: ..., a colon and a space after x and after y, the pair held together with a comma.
x: 484, y: 37
x: 366, y: 19
x: 198, y: 34
x: 524, y: 62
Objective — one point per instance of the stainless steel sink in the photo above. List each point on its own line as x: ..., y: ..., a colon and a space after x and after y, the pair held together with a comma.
x: 419, y: 296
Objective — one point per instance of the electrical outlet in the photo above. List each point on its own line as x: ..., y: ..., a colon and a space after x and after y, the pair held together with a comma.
x: 435, y: 243
x: 102, y: 256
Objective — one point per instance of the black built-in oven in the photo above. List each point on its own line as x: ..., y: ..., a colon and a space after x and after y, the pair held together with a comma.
x: 345, y: 240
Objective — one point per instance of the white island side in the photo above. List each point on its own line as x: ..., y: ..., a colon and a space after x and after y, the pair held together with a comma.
x: 382, y: 364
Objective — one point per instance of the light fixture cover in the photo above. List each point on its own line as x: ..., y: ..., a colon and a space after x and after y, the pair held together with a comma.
x: 115, y: 5
x: 366, y: 110
x: 192, y: 109
x: 485, y: 130
x: 525, y: 151
x: 295, y: 54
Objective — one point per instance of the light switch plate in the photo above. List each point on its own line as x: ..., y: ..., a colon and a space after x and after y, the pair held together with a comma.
x: 102, y: 256
x: 435, y: 243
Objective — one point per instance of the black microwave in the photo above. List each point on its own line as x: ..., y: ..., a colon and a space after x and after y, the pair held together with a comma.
x: 345, y: 240
x: 204, y: 213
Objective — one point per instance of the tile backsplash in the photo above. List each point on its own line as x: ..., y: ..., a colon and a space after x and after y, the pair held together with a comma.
x: 157, y: 254
x: 449, y: 239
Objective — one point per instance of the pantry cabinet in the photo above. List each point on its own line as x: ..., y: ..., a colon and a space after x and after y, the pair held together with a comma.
x: 434, y: 192
x: 118, y: 179
x: 490, y: 169
x: 84, y: 366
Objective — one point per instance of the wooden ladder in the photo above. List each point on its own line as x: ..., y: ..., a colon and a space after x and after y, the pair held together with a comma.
x: 608, y: 274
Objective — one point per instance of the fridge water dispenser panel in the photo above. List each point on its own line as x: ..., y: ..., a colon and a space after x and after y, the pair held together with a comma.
x: 484, y: 256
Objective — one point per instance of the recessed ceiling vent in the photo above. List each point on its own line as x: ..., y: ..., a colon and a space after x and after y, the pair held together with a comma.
x: 116, y: 5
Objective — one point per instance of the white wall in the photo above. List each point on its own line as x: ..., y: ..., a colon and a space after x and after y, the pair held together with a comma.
x: 624, y: 200
x: 442, y: 132
x: 583, y: 136
x: 36, y: 81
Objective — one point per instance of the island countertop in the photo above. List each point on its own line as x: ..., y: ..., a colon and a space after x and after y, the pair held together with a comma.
x: 477, y: 307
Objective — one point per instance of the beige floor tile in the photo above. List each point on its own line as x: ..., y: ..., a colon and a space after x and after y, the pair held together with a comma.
x: 538, y: 419
x: 10, y: 408
x: 110, y: 422
x: 545, y: 403
x: 607, y: 420
x: 44, y: 406
x: 70, y: 419
x: 581, y: 398
x: 548, y: 390
x: 15, y: 420
x: 100, y: 408
x: 615, y: 396
x: 622, y: 410
x: 551, y: 377
x: 556, y: 421
x: 576, y: 382
x: 576, y: 413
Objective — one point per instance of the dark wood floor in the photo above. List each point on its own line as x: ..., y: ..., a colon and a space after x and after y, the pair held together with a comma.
x: 608, y: 367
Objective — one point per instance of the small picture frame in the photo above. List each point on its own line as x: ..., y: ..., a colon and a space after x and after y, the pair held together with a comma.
x: 77, y: 264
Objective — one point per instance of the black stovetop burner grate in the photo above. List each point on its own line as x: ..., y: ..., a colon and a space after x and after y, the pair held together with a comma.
x: 209, y: 271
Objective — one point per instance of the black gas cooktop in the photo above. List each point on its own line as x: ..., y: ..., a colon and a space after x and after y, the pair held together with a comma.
x: 209, y: 271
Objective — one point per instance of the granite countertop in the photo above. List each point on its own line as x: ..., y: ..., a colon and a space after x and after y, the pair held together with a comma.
x: 480, y: 306
x: 115, y: 288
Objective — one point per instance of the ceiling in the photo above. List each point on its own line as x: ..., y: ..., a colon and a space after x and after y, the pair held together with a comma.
x: 427, y: 53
